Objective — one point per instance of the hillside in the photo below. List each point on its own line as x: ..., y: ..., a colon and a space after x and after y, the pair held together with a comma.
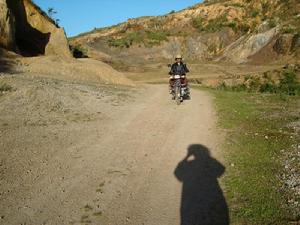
x: 240, y: 31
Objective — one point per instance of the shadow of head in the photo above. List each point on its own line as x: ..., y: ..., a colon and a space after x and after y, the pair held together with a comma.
x: 198, y: 164
x: 198, y: 152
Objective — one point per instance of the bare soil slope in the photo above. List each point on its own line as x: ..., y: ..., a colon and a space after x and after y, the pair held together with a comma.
x: 77, y: 70
x: 88, y: 71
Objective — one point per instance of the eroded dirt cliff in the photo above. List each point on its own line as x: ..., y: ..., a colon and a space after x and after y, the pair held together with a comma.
x: 26, y: 29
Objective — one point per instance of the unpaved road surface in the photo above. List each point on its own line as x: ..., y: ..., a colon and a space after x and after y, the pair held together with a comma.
x: 128, y: 163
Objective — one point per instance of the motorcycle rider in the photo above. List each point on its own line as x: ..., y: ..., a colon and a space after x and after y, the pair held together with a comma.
x: 178, y: 68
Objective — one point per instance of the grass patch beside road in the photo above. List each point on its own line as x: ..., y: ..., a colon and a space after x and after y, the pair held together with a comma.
x: 258, y: 132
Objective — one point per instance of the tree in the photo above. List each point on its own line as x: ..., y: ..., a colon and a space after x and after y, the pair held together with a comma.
x: 51, y: 12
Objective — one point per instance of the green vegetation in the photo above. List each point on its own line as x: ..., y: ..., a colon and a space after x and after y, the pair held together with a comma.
x: 198, y: 22
x: 211, y: 2
x: 234, y: 5
x: 48, y: 15
x: 156, y: 37
x: 4, y: 87
x: 217, y: 24
x: 51, y: 12
x: 148, y: 38
x: 119, y: 43
x: 287, y: 84
x: 78, y: 51
x: 272, y: 23
x: 254, y: 13
x: 289, y: 30
x: 257, y: 131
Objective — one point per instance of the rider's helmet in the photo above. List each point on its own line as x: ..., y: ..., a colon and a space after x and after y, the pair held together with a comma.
x: 178, y: 57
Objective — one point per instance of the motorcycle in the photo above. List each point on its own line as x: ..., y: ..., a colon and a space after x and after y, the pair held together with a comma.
x: 180, y: 89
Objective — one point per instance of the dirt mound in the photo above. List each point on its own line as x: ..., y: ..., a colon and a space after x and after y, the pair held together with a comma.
x: 81, y: 70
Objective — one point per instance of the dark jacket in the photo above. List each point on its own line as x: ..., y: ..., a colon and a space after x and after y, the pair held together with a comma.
x: 179, y: 69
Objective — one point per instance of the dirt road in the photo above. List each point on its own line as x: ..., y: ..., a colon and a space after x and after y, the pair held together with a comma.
x: 127, y: 166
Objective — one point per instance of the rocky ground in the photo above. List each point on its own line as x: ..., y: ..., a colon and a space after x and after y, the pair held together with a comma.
x: 290, y: 178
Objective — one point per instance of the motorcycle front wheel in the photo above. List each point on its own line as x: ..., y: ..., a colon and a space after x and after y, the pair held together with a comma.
x: 177, y: 95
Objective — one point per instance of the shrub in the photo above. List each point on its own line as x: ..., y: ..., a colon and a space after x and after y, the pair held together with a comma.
x: 254, y: 14
x: 78, y: 51
x: 233, y: 25
x: 268, y: 87
x: 135, y: 37
x: 216, y: 24
x: 157, y: 36
x: 146, y: 37
x: 127, y: 40
x: 244, y: 28
x: 198, y: 23
x: 222, y: 86
x: 119, y: 42
x: 239, y: 87
x: 238, y: 5
x: 289, y: 83
x: 5, y: 87
x: 272, y: 23
x: 288, y: 30
x: 51, y: 12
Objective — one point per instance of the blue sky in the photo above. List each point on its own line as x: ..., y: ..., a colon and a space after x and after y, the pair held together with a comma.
x: 78, y: 16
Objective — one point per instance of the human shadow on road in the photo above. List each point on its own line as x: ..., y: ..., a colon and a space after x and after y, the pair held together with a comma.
x: 202, y: 200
